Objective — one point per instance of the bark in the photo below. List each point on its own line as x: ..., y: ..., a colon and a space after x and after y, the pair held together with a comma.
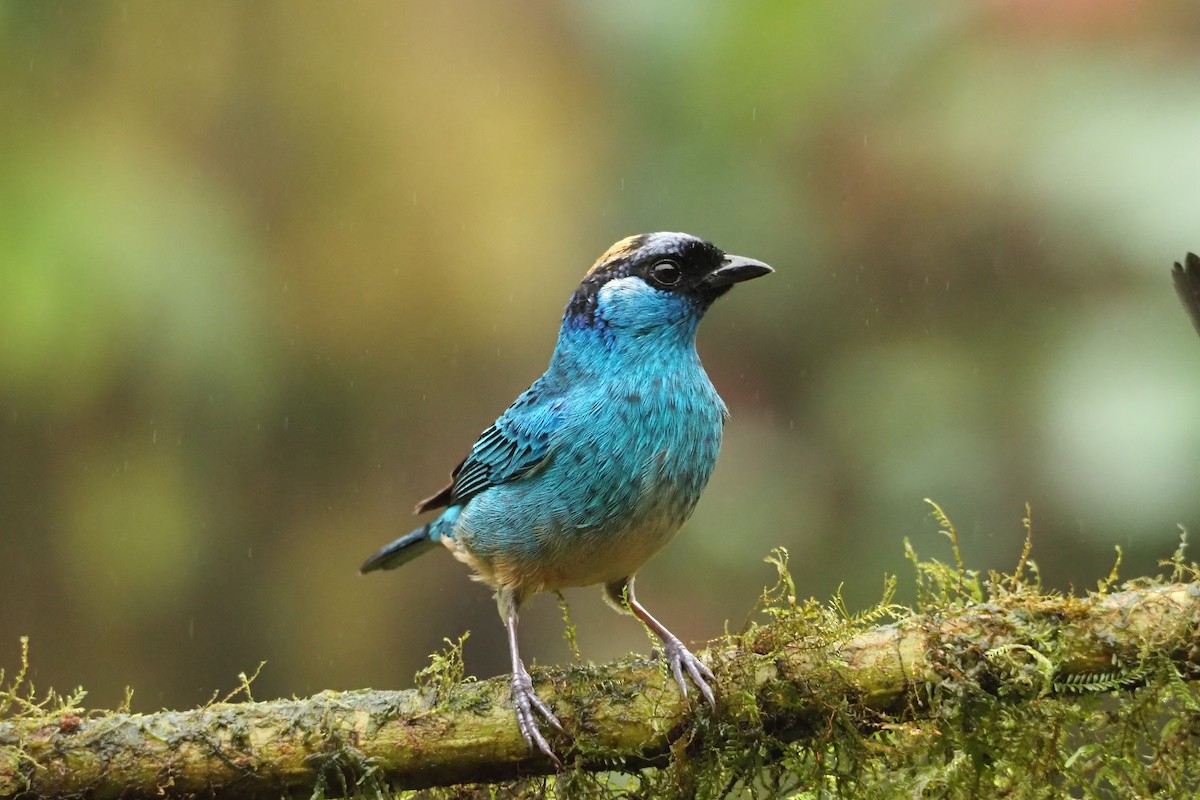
x: 781, y: 678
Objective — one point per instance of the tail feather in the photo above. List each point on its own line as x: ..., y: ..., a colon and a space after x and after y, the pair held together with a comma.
x: 400, y: 552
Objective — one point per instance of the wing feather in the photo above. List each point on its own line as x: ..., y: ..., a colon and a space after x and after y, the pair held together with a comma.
x: 515, y: 445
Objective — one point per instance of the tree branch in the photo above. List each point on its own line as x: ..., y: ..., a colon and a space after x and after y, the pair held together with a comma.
x: 782, y: 678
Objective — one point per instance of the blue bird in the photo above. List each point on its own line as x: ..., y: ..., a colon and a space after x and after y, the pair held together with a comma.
x: 599, y: 463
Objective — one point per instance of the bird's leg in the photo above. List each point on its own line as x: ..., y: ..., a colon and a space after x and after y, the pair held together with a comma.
x: 620, y: 593
x: 525, y: 702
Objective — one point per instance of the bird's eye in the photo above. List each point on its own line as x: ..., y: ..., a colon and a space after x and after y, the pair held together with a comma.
x: 665, y: 273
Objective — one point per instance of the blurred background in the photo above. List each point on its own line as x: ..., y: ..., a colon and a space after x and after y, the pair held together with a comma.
x: 267, y: 269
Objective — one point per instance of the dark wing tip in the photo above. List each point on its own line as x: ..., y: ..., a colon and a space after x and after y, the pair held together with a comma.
x: 443, y: 497
x: 439, y: 500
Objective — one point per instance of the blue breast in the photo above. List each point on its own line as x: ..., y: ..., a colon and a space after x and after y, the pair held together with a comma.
x: 639, y: 435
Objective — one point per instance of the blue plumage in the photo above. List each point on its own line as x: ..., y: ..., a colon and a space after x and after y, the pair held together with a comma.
x: 600, y: 462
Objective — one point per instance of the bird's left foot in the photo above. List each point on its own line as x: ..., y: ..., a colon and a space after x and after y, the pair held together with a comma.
x: 528, y: 707
x: 681, y: 659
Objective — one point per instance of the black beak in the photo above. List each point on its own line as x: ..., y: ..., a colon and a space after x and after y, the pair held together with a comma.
x: 735, y: 269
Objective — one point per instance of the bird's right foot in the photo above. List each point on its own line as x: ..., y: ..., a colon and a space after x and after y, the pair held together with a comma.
x: 682, y: 660
x: 526, y: 703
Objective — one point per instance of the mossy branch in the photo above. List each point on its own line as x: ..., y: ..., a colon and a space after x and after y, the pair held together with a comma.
x: 805, y: 672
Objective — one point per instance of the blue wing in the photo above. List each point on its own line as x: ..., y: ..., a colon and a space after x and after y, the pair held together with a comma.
x: 513, y: 447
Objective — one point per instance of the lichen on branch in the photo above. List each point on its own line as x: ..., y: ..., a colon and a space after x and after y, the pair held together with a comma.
x: 989, y: 686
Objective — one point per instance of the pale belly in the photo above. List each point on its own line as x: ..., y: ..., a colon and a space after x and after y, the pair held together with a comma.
x: 567, y: 558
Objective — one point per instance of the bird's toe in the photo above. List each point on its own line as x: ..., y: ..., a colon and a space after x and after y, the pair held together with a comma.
x: 681, y: 659
x: 528, y: 707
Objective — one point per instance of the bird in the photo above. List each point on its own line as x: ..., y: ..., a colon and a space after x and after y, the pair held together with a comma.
x: 1187, y: 286
x: 599, y: 463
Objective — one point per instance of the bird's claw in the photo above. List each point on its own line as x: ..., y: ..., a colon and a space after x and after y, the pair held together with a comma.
x: 526, y: 703
x: 681, y: 659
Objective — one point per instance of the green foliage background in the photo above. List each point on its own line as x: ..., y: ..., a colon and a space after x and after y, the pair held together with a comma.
x: 266, y: 270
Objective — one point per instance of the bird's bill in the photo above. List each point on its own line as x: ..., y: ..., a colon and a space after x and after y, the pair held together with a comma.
x: 735, y: 269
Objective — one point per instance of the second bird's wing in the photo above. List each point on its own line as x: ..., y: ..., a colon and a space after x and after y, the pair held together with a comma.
x: 509, y: 450
x: 1187, y: 284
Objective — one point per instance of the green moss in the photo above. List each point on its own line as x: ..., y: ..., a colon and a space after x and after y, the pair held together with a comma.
x: 442, y: 682
x: 1004, y: 704
x: 996, y: 720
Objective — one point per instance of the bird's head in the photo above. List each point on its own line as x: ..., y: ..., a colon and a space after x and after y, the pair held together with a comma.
x: 656, y: 282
